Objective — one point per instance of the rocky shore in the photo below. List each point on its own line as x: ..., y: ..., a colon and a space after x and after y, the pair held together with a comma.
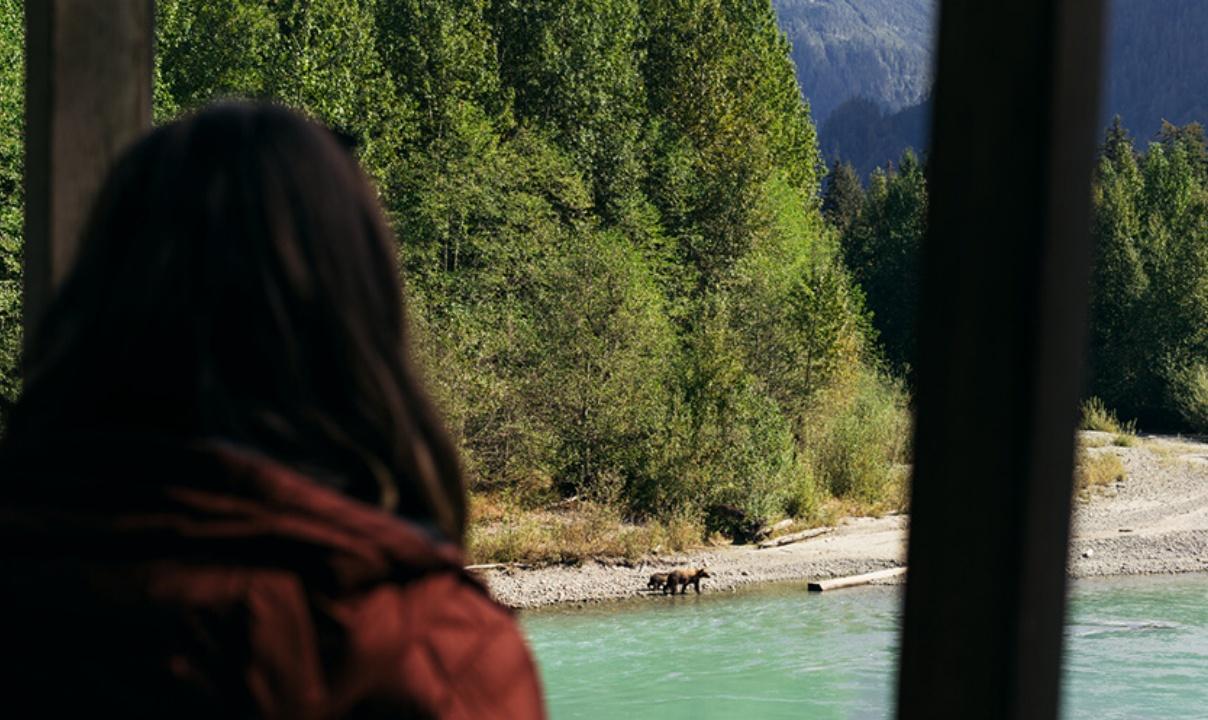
x: 1153, y: 522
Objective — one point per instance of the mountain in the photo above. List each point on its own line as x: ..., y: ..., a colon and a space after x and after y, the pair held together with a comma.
x: 865, y: 66
x: 875, y: 49
x: 1155, y: 68
x: 862, y: 133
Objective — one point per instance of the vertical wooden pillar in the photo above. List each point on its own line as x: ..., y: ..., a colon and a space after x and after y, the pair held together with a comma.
x: 88, y: 95
x: 1006, y: 268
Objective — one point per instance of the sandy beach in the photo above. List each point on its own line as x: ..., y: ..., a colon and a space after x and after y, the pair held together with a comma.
x: 1154, y: 522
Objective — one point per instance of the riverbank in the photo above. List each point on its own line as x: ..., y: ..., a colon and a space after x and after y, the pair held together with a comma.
x: 1154, y: 521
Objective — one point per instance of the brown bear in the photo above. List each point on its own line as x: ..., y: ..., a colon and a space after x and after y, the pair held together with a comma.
x: 681, y: 579
x: 657, y: 581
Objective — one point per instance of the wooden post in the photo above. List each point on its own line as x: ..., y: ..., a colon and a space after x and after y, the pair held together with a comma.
x: 88, y: 95
x: 1006, y: 271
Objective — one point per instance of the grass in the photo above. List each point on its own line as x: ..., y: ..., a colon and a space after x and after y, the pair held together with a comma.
x: 1097, y: 416
x: 1124, y: 439
x: 1095, y: 472
x: 502, y: 531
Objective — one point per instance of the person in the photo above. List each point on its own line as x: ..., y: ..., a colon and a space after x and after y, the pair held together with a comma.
x: 224, y: 491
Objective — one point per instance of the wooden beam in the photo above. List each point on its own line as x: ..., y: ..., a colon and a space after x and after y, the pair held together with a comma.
x: 1005, y: 272
x: 88, y: 95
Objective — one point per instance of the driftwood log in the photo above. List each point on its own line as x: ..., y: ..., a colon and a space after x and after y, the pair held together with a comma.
x: 794, y: 537
x: 855, y: 580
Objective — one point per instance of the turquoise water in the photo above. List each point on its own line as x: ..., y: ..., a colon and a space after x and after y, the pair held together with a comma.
x: 1136, y: 648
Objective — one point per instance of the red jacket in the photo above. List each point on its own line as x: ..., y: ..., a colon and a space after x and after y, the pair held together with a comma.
x: 160, y: 580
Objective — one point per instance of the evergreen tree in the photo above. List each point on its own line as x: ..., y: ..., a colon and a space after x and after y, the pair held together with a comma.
x: 1118, y: 142
x: 319, y: 56
x: 574, y: 69
x: 882, y: 249
x: 729, y: 113
x: 1150, y: 291
x: 843, y: 197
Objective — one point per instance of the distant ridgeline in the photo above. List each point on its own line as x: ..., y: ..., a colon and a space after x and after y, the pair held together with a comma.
x: 865, y: 65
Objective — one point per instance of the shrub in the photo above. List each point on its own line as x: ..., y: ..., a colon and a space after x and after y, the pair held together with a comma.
x: 1098, y: 417
x: 857, y: 437
x: 1096, y: 471
x: 1189, y: 390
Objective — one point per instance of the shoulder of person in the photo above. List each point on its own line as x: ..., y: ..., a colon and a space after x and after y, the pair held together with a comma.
x: 438, y: 646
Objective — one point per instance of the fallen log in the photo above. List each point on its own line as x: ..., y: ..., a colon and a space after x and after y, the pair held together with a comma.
x: 794, y: 537
x: 500, y: 566
x: 855, y: 580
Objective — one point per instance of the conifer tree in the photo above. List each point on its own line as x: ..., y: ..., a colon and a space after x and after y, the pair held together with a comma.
x: 882, y: 249
x: 843, y: 197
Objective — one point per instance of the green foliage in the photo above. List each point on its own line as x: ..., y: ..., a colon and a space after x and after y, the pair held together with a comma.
x: 734, y: 445
x: 12, y: 197
x: 602, y: 382
x: 1149, y: 304
x: 882, y: 247
x: 858, y: 443
x: 619, y: 278
x: 575, y: 69
x: 720, y: 80
x: 1098, y: 417
x: 319, y: 56
x: 844, y: 196
x: 1149, y: 334
x: 798, y: 318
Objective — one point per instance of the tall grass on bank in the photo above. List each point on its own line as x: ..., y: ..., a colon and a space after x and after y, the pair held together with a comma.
x: 502, y: 531
x: 1096, y: 470
x: 1096, y: 416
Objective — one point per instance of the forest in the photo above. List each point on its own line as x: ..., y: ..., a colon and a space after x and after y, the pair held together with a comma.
x: 1148, y: 349
x: 630, y: 292
x: 617, y: 270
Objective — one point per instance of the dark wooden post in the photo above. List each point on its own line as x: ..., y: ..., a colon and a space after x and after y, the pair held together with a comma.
x: 1001, y: 342
x: 88, y: 94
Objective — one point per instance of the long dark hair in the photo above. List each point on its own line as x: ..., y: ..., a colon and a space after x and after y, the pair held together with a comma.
x: 237, y: 281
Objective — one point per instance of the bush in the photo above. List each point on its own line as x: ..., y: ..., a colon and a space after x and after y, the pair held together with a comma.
x: 857, y: 435
x: 1098, y: 417
x: 1096, y: 471
x: 1189, y: 390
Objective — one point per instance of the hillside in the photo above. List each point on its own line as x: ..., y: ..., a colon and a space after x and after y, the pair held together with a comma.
x: 865, y: 67
x: 876, y: 49
x: 1155, y: 66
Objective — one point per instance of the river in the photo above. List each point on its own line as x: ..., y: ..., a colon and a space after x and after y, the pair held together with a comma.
x: 1136, y: 648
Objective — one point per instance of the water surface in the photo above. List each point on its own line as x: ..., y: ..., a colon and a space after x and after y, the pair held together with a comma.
x: 1136, y: 648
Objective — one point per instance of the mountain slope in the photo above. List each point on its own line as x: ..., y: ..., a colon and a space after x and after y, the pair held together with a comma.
x: 876, y: 49
x: 865, y: 66
x: 1155, y: 64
